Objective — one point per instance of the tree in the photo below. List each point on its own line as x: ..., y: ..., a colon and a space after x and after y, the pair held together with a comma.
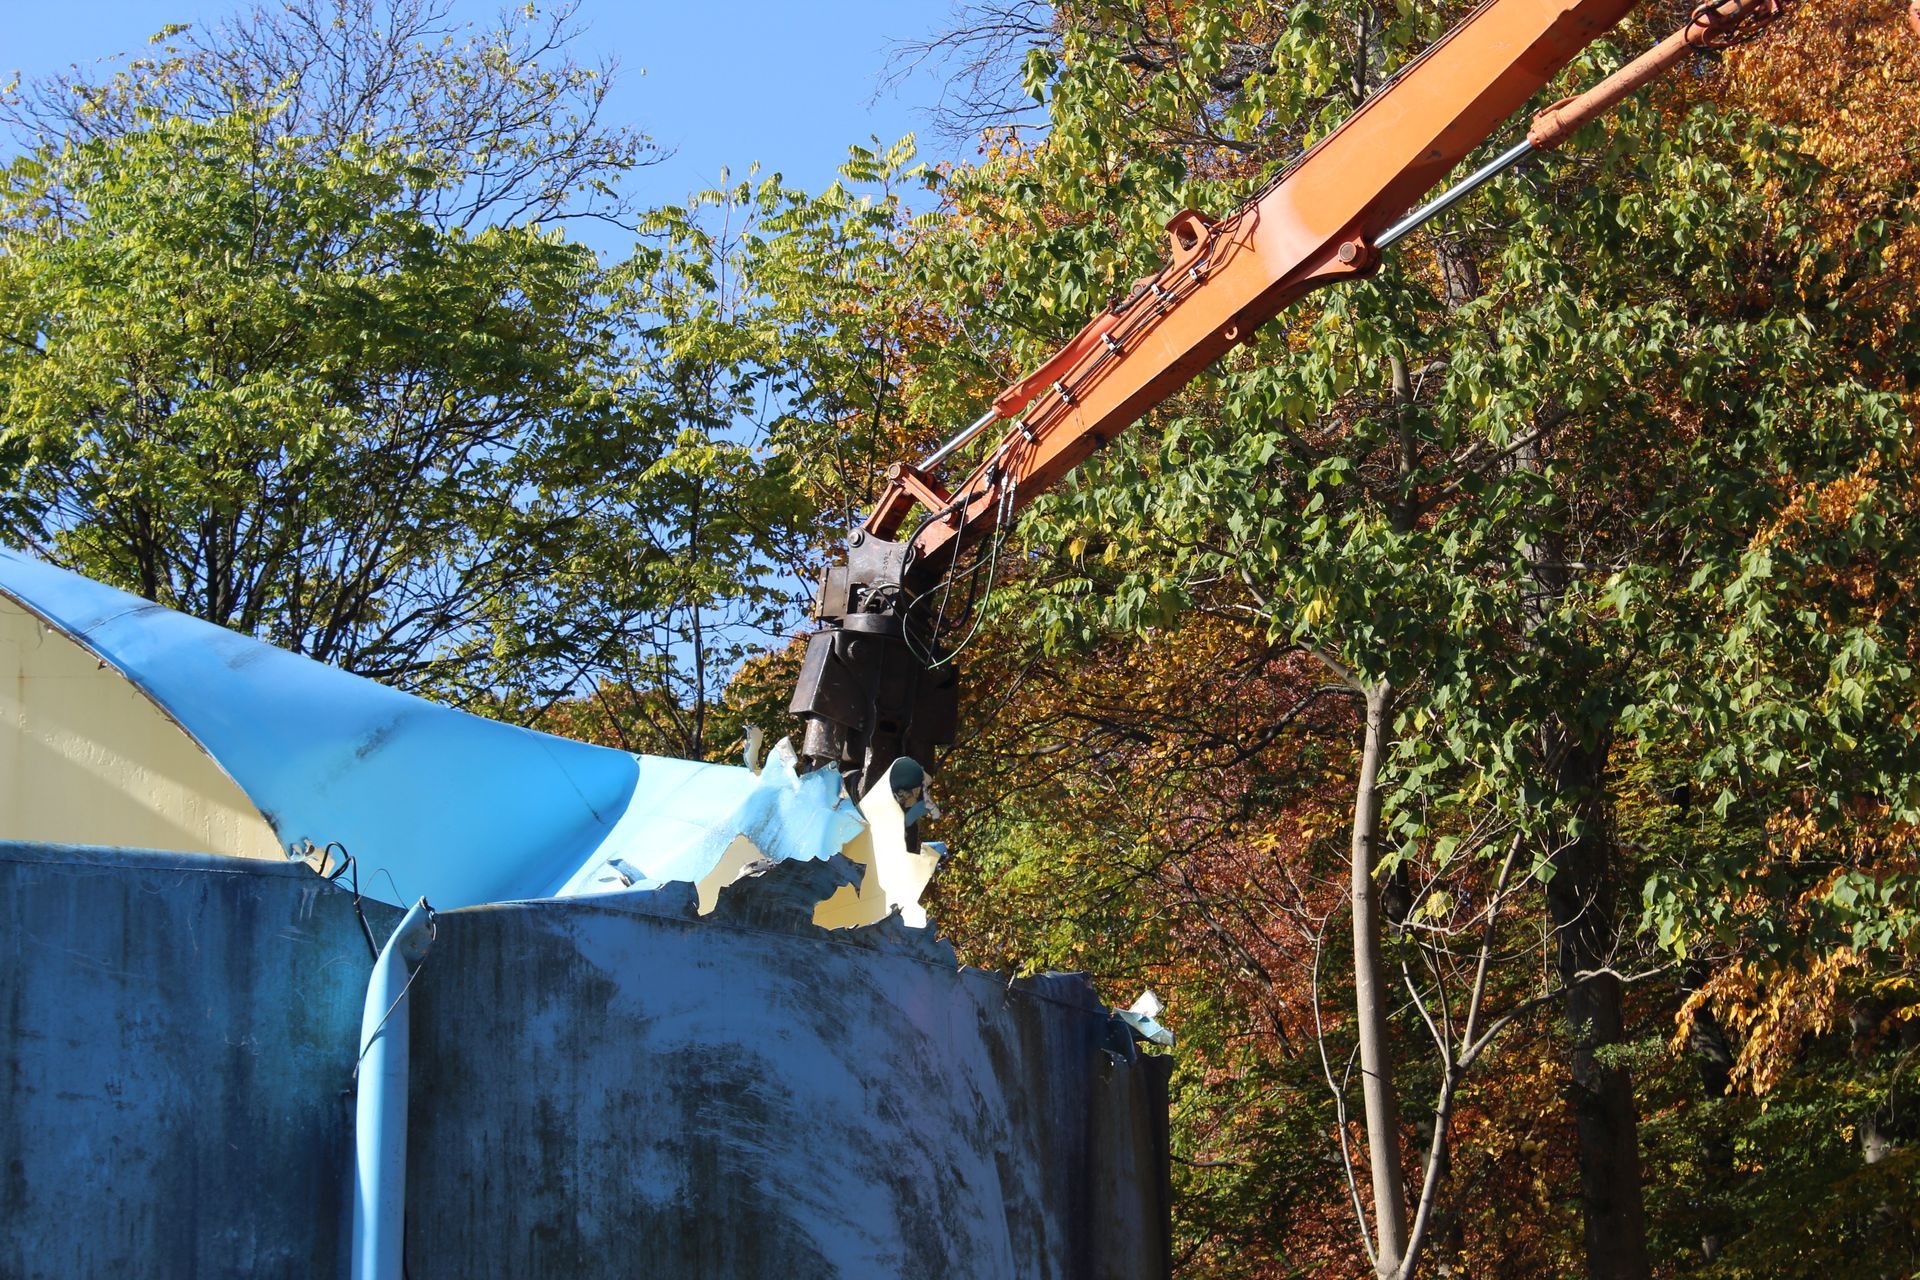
x: 511, y: 125
x: 1523, y: 483
x: 257, y: 384
x: 298, y: 345
x: 682, y: 538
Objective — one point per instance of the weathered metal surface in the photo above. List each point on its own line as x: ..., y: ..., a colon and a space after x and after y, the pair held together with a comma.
x: 601, y: 1086
x: 176, y: 1049
x: 613, y: 1087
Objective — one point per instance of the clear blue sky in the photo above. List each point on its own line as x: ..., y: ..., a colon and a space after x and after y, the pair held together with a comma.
x: 729, y: 82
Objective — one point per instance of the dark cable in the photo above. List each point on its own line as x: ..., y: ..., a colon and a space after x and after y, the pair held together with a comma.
x: 348, y: 862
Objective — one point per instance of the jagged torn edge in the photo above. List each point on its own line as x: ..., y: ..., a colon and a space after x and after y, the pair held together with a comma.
x: 784, y: 816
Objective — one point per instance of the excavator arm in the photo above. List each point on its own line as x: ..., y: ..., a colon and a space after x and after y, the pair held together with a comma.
x: 875, y: 683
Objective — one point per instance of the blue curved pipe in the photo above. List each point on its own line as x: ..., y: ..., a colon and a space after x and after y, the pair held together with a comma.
x: 380, y: 1109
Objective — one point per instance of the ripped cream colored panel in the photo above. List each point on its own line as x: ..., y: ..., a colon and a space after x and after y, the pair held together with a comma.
x: 86, y: 758
x: 735, y: 860
x: 891, y: 875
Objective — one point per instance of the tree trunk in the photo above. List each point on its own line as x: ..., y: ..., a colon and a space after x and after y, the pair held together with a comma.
x: 1370, y: 991
x: 1712, y: 1052
x: 1713, y: 1059
x: 1580, y: 901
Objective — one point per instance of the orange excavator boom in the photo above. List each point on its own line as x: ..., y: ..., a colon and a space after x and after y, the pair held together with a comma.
x: 875, y: 684
x: 1326, y: 219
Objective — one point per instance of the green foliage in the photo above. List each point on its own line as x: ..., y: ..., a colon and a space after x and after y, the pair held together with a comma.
x: 1642, y: 490
x: 509, y: 124
x: 1779, y: 1188
x: 307, y: 355
x: 266, y: 391
x: 1610, y: 462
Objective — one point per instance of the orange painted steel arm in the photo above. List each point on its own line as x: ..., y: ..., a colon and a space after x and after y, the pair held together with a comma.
x: 1710, y: 27
x: 1314, y: 225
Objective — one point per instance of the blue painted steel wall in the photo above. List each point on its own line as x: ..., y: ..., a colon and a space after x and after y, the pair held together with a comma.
x: 610, y: 1087
x: 605, y: 1086
x: 177, y: 1035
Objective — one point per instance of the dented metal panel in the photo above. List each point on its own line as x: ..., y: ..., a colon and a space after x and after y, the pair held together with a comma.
x: 176, y: 1064
x: 432, y: 802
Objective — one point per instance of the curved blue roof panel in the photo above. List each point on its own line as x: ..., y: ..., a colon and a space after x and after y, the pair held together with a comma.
x: 431, y: 801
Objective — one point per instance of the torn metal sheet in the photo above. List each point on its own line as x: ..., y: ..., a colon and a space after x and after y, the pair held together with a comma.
x: 690, y: 828
x: 430, y: 801
x: 1142, y: 1018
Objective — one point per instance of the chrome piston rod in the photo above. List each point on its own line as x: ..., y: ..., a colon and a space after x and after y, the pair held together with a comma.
x: 1447, y: 199
x: 967, y: 433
